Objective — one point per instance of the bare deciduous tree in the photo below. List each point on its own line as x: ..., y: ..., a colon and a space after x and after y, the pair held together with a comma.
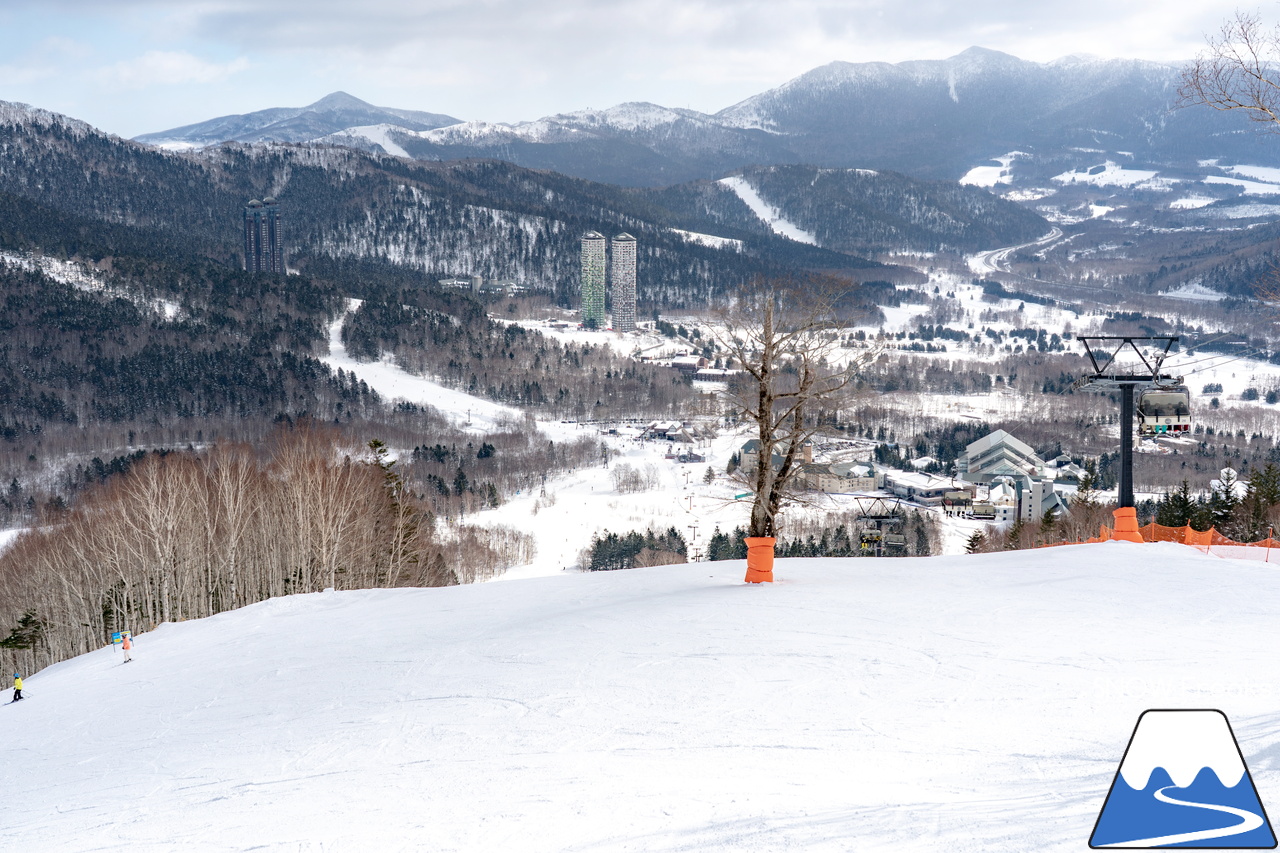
x: 628, y: 479
x: 1238, y: 71
x: 783, y: 334
x: 186, y: 535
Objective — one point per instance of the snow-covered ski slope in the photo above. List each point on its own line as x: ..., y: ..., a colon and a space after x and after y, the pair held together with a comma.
x: 393, y: 383
x: 977, y: 703
x: 768, y: 214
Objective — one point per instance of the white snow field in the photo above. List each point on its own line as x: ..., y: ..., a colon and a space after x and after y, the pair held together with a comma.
x: 977, y: 703
x: 990, y: 176
x: 7, y: 537
x: 769, y: 214
x: 393, y: 383
x: 1112, y: 174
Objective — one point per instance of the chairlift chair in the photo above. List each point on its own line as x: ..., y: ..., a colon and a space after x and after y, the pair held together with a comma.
x: 1164, y: 410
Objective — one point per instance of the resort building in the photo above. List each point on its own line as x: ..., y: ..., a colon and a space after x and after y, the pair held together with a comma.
x: 622, y: 274
x: 593, y: 251
x: 263, y: 237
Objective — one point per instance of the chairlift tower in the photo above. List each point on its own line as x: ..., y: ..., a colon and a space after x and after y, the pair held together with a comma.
x: 877, y: 520
x: 1105, y: 354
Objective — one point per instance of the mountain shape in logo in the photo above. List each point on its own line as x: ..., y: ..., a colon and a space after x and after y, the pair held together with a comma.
x: 1183, y: 783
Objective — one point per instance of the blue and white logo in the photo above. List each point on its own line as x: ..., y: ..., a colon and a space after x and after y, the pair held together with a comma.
x: 1183, y: 783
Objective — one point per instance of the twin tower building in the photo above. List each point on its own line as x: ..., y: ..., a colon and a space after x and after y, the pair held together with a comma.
x: 622, y: 275
x: 264, y: 251
x: 263, y: 237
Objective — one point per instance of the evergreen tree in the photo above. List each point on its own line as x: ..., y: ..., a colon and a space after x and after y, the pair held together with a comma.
x: 1086, y: 495
x: 1223, y: 501
x: 1252, y: 521
x: 922, y: 547
x: 27, y: 634
x: 1176, y: 508
x: 611, y: 551
x: 1013, y: 536
x: 841, y: 544
x: 1201, y: 516
x: 1048, y: 521
x: 1266, y: 485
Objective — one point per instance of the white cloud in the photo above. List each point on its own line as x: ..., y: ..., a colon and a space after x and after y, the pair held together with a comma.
x: 510, y: 60
x: 17, y: 75
x: 163, y: 67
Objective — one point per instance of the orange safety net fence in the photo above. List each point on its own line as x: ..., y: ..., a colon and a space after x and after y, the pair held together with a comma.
x: 1210, y: 541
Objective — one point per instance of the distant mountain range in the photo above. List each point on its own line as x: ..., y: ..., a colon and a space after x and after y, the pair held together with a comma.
x: 126, y: 308
x: 328, y: 115
x: 929, y: 119
x: 496, y: 219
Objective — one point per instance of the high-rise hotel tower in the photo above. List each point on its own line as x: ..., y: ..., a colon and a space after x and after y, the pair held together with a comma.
x: 622, y: 273
x: 263, y: 239
x: 593, y: 280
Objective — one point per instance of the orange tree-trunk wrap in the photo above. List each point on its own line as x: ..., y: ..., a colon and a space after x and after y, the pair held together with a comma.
x: 759, y: 559
x: 1126, y: 525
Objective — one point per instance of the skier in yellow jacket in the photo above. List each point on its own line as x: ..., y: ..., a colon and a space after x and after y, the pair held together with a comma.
x: 17, y: 687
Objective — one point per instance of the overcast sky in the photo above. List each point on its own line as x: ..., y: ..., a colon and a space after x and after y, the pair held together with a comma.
x: 133, y: 66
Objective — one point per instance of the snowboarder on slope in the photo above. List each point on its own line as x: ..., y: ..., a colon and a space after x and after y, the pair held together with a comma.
x: 17, y: 687
x: 126, y: 646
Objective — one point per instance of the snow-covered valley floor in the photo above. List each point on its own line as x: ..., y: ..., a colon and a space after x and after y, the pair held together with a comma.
x: 976, y: 703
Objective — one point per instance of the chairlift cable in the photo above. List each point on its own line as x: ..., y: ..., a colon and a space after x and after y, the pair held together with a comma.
x: 1209, y: 355
x: 1229, y: 358
x: 1205, y: 358
x: 1214, y: 366
x: 1205, y: 343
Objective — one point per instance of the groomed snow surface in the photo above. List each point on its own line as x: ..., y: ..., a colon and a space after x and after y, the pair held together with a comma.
x: 989, y: 176
x: 379, y: 134
x: 768, y: 214
x: 978, y: 703
x: 389, y: 380
x: 1113, y: 174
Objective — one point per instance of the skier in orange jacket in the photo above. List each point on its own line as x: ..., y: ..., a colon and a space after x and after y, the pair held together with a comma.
x: 126, y: 646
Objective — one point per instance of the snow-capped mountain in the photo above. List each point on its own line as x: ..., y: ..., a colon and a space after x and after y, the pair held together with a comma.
x: 934, y: 119
x: 637, y: 118
x: 332, y: 113
x: 484, y: 218
x: 857, y: 210
x: 629, y: 144
x: 929, y: 118
x: 18, y: 115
